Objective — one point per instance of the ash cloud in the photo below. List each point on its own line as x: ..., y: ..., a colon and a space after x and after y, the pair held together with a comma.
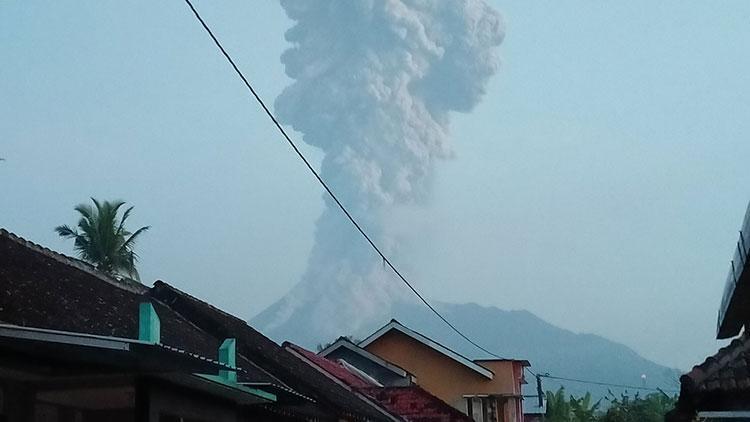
x: 374, y: 84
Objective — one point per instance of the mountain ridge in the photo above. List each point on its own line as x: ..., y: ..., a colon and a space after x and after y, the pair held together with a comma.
x: 516, y: 334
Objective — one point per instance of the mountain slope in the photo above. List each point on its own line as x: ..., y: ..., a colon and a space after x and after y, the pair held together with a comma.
x: 511, y: 334
x: 550, y: 349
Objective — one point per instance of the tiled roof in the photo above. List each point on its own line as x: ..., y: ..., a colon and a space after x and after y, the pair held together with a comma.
x: 727, y: 371
x: 44, y: 289
x: 260, y: 349
x: 410, y: 403
x: 333, y: 368
x: 720, y: 383
x: 416, y: 405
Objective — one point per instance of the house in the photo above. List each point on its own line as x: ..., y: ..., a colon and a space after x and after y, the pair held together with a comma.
x: 383, y: 372
x: 719, y: 388
x: 403, y: 399
x: 52, y: 375
x: 486, y: 390
x: 328, y: 398
x: 79, y: 345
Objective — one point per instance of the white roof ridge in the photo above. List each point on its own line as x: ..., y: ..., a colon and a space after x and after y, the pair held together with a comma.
x: 421, y: 338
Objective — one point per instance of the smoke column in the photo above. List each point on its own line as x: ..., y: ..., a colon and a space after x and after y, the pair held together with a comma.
x: 374, y: 84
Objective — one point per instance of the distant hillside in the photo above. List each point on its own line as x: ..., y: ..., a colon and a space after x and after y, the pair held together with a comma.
x: 521, y: 334
x: 513, y: 334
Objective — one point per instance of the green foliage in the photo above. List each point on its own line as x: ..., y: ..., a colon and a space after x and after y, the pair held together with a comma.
x: 560, y: 409
x: 626, y: 408
x: 583, y: 410
x: 102, y: 239
x: 650, y: 408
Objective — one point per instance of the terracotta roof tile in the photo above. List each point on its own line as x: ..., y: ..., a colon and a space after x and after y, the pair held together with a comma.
x: 726, y: 371
x: 416, y: 405
x: 410, y: 403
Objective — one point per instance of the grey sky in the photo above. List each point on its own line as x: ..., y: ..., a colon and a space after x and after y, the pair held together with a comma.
x: 600, y: 184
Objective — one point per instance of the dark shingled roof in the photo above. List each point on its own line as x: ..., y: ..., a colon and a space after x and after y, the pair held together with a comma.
x: 44, y: 289
x: 727, y: 371
x: 720, y: 383
x: 279, y: 362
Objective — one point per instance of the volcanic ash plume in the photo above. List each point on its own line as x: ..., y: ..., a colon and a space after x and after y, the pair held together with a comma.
x: 374, y: 84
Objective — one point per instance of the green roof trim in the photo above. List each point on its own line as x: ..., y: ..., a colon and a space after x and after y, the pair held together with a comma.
x: 149, y: 325
x: 232, y: 384
x: 228, y: 357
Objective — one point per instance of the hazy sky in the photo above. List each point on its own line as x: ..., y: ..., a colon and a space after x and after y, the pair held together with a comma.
x: 600, y: 184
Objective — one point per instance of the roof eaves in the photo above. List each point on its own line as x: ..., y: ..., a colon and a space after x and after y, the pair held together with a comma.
x: 523, y: 362
x: 86, y: 340
x: 281, y: 363
x: 349, y: 345
x: 279, y: 387
x: 701, y: 373
x: 289, y: 347
x: 395, y: 325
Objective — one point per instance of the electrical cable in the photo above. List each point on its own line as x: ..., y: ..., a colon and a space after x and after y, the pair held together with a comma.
x: 607, y: 384
x: 354, y: 222
x: 326, y: 187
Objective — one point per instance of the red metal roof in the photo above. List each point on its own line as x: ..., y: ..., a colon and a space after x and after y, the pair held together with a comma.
x: 333, y: 368
x: 410, y: 403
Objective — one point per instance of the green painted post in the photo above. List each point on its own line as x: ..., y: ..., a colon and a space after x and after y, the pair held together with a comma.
x: 149, y: 326
x: 228, y: 356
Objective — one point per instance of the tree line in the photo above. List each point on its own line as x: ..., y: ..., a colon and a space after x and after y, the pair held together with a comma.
x: 623, y: 408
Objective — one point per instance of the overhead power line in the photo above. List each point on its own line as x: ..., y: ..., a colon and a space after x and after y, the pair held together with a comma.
x: 604, y: 384
x: 326, y: 187
x: 353, y: 220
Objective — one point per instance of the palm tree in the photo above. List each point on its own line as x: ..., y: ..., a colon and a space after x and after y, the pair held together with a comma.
x: 102, y: 240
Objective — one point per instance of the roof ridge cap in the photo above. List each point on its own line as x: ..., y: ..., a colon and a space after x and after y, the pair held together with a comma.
x: 203, y: 302
x: 400, y: 327
x: 125, y: 284
x: 715, y: 362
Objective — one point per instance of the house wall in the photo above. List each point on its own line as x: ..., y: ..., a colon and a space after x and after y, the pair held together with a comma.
x: 441, y: 375
x: 512, y: 408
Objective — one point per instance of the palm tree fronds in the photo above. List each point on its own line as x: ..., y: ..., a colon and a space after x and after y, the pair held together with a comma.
x: 65, y: 231
x: 102, y: 239
x: 124, y: 218
x: 131, y: 240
